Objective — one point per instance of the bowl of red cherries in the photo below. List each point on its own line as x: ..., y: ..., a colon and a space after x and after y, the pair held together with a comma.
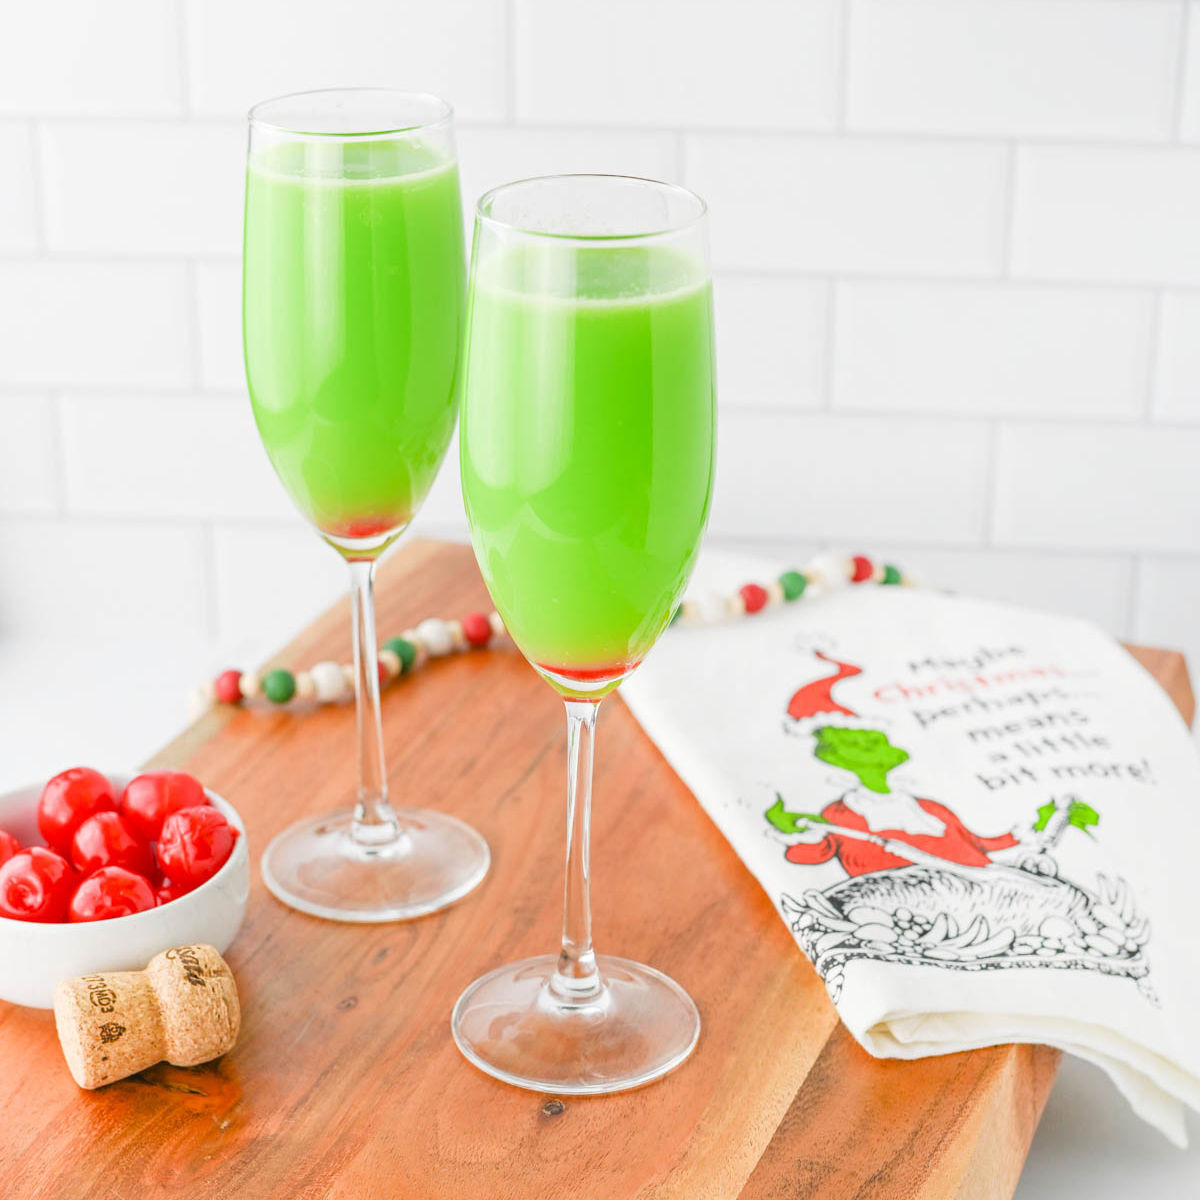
x: 99, y: 872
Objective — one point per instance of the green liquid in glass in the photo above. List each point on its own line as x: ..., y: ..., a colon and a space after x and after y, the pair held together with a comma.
x: 587, y: 446
x: 354, y: 279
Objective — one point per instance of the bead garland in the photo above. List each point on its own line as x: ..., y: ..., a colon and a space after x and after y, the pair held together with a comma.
x: 328, y: 682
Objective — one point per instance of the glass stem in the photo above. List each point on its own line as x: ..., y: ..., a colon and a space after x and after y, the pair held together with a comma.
x: 576, y: 976
x: 374, y: 821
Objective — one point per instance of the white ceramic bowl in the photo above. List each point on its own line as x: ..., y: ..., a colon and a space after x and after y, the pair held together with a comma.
x: 35, y: 956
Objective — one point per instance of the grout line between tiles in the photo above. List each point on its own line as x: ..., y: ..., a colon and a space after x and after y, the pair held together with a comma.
x: 987, y: 533
x: 1153, y: 340
x: 842, y: 83
x: 1008, y: 228
x: 829, y: 357
x: 183, y: 62
x: 37, y: 154
x: 212, y: 607
x: 1181, y: 73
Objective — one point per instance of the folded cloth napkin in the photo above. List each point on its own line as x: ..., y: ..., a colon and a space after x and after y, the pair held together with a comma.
x: 981, y: 823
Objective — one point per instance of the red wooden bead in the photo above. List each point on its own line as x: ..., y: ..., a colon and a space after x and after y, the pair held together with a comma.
x: 863, y: 569
x: 477, y: 629
x: 754, y: 596
x: 383, y: 675
x: 228, y: 687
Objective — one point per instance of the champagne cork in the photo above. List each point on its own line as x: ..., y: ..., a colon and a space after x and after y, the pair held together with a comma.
x: 183, y: 1008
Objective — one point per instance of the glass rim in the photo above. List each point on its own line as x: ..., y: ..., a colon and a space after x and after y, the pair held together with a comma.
x: 698, y: 215
x: 255, y: 117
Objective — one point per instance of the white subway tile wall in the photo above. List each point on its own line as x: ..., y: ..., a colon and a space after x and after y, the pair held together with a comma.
x: 94, y: 57
x: 1099, y: 487
x: 957, y: 252
x: 1107, y: 214
x: 1177, y: 396
x: 855, y: 478
x: 991, y: 349
x: 1051, y: 68
x: 771, y: 341
x: 1167, y: 599
x: 186, y: 457
x: 142, y: 190
x: 18, y: 201
x: 258, y: 567
x: 28, y: 454
x: 853, y: 205
x: 83, y: 578
x: 632, y: 63
x: 488, y: 157
x: 238, y: 52
x: 94, y: 323
x: 219, y: 326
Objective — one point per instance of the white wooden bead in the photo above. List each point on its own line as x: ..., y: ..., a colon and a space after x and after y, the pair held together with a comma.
x: 830, y: 570
x: 435, y: 633
x: 711, y: 606
x: 735, y: 605
x: 458, y: 639
x: 390, y: 661
x: 497, y: 624
x: 689, y: 612
x: 199, y: 702
x: 349, y: 676
x: 306, y: 688
x: 774, y: 592
x: 328, y: 681
x: 250, y: 684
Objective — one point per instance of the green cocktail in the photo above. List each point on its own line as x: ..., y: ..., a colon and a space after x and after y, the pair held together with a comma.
x: 353, y: 309
x: 587, y: 441
x: 587, y: 445
x: 354, y: 284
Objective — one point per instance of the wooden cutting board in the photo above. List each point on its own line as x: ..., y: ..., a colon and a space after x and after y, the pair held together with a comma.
x: 345, y: 1082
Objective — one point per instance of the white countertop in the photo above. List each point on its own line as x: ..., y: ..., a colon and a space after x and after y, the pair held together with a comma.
x: 113, y: 703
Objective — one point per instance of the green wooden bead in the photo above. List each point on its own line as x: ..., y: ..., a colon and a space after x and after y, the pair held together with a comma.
x: 404, y: 650
x: 279, y: 686
x: 793, y: 584
x: 891, y: 574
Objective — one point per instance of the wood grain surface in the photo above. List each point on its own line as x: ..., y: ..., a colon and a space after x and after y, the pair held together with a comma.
x: 345, y: 1082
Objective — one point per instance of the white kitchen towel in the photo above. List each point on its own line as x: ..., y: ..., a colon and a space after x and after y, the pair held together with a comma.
x: 981, y: 823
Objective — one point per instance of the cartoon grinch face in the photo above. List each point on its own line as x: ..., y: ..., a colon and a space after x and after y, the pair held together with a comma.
x: 865, y: 752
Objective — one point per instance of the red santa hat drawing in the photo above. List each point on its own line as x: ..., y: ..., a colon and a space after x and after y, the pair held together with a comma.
x: 813, y: 706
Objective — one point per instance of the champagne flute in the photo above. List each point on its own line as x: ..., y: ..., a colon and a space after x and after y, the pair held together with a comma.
x: 353, y: 299
x: 587, y: 443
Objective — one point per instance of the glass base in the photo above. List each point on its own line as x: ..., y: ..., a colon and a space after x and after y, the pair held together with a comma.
x: 317, y: 867
x: 511, y: 1024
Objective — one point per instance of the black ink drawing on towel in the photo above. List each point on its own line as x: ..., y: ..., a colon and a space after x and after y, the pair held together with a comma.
x: 922, y: 888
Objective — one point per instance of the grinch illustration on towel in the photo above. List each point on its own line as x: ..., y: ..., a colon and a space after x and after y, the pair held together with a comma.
x: 922, y: 888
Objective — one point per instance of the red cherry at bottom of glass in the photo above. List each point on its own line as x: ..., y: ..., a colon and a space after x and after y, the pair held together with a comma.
x: 111, y: 892
x: 36, y: 885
